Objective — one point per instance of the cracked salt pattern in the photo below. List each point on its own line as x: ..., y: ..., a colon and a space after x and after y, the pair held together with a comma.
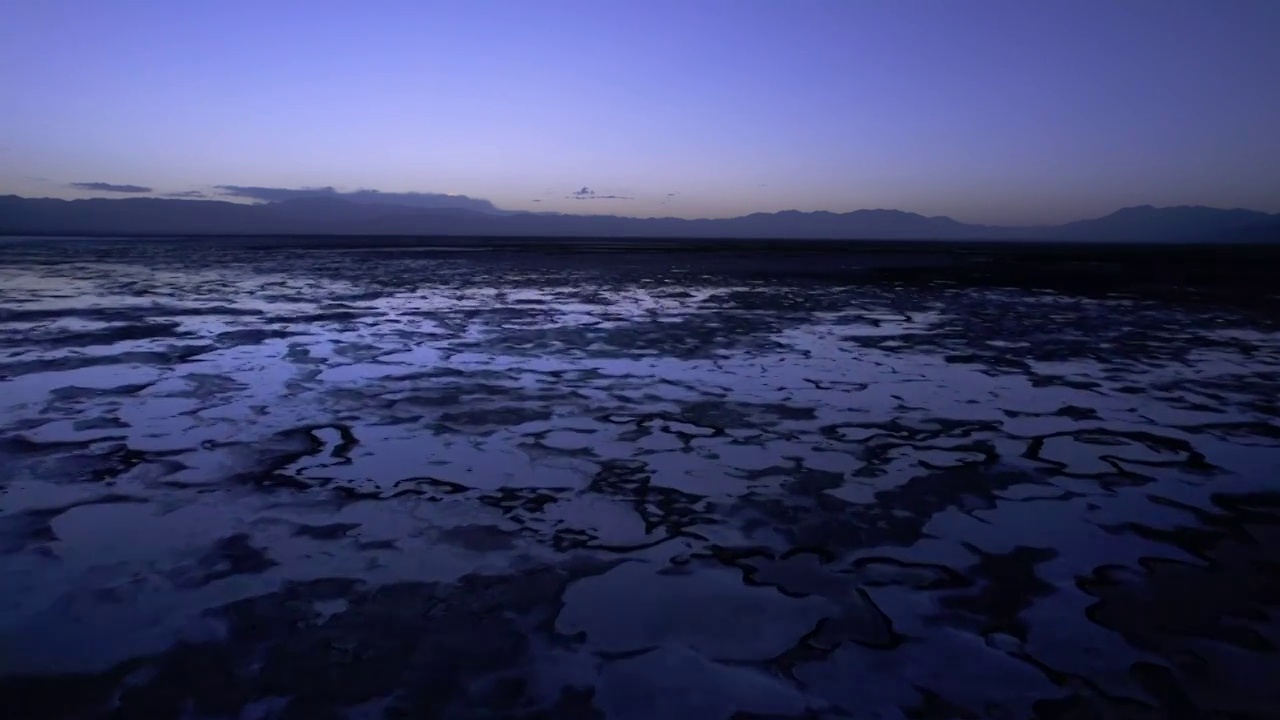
x: 242, y: 482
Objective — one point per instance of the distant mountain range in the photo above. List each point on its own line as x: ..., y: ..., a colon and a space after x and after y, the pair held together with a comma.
x: 336, y: 216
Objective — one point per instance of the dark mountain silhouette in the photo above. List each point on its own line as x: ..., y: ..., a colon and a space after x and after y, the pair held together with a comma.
x: 1146, y: 223
x: 1265, y: 231
x: 333, y: 216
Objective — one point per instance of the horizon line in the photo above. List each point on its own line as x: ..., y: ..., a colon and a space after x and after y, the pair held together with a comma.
x: 499, y: 212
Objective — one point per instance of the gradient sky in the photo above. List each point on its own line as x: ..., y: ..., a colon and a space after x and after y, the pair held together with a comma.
x: 999, y: 112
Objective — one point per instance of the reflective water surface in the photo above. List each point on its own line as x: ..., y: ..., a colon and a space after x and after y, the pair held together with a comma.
x: 320, y: 483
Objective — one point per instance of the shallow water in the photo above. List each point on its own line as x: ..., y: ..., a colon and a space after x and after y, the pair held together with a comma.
x: 251, y: 483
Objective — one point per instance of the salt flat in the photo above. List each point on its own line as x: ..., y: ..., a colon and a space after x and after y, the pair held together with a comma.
x: 250, y: 482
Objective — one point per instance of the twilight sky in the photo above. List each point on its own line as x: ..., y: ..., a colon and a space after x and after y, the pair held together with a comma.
x: 990, y: 111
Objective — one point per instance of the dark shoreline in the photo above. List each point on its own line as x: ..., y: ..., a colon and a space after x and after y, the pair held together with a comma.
x: 1242, y: 274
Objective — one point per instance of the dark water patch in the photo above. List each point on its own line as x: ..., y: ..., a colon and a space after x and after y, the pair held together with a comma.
x: 331, y: 531
x: 53, y: 339
x: 1010, y: 584
x: 251, y: 336
x: 324, y: 316
x: 27, y: 528
x: 685, y: 338
x: 496, y: 417
x: 158, y: 357
x: 122, y: 314
x: 478, y: 538
x: 232, y: 555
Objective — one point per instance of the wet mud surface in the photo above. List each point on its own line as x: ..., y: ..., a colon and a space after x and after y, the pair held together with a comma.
x: 326, y: 482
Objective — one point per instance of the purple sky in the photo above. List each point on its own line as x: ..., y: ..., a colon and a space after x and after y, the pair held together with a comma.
x: 999, y: 112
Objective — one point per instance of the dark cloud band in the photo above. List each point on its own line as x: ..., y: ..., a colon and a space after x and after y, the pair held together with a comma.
x: 110, y: 187
x: 423, y: 200
x: 587, y: 193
